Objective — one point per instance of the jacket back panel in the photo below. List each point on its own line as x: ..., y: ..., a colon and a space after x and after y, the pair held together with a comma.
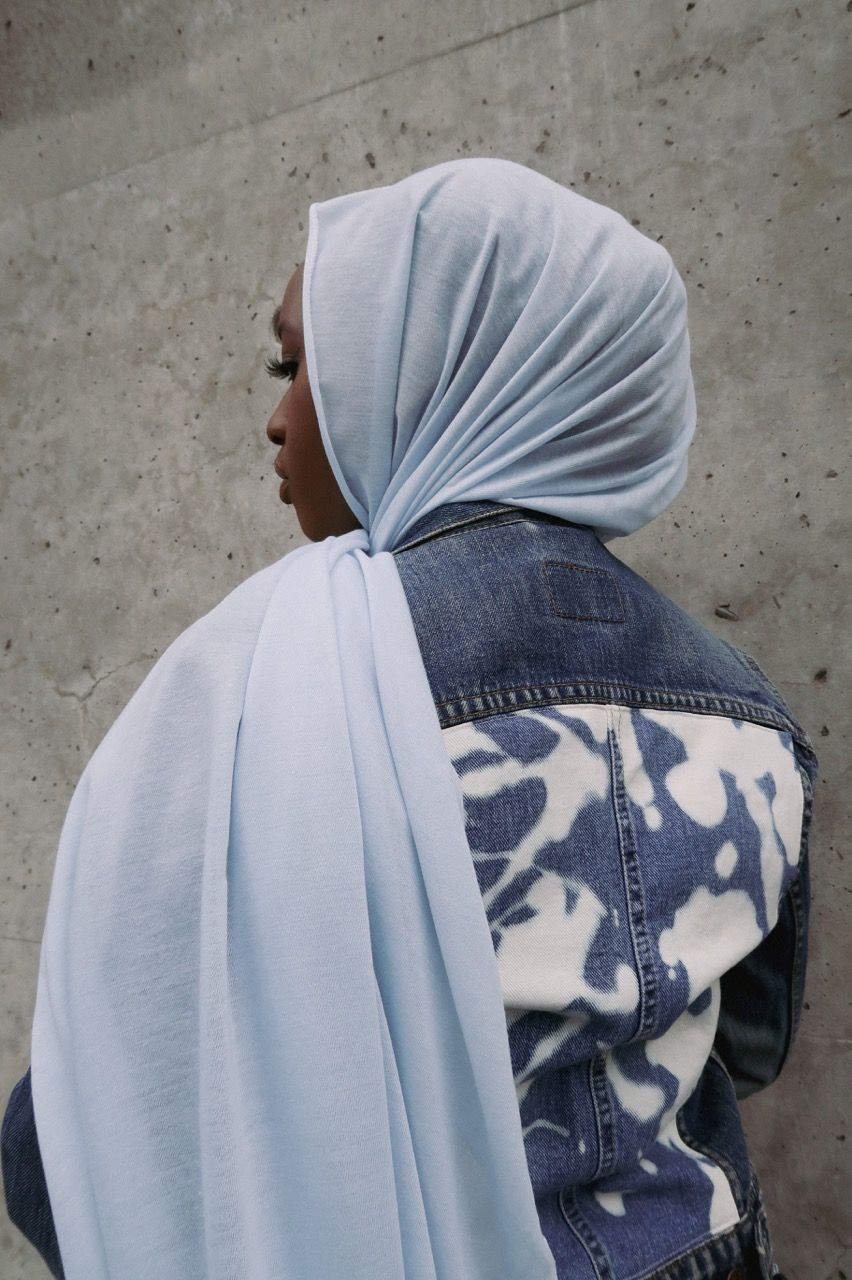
x: 637, y: 797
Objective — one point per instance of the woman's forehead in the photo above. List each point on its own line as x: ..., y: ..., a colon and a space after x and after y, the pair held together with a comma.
x: 288, y: 315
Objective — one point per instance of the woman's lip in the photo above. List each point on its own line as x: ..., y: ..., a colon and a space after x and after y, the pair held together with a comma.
x: 282, y: 492
x: 278, y: 471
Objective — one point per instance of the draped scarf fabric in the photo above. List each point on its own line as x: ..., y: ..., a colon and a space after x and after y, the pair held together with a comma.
x: 269, y: 1038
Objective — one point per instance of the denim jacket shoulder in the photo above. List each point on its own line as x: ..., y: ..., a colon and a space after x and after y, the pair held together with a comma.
x: 564, y: 615
x: 637, y: 791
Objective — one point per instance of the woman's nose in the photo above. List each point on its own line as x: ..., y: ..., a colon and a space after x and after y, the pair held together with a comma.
x: 275, y: 426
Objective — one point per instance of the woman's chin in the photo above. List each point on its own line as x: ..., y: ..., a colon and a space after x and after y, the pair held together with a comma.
x: 310, y: 527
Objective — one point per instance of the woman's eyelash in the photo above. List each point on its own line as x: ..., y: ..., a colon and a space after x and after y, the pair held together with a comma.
x: 277, y: 368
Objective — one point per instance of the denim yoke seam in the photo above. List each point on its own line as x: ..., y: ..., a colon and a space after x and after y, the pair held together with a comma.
x: 464, y: 707
x: 797, y: 731
x: 472, y: 706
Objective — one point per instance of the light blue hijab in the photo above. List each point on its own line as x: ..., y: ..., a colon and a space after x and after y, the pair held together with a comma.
x: 269, y: 1040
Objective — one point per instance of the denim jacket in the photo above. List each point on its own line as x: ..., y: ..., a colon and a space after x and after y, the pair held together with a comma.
x: 637, y: 799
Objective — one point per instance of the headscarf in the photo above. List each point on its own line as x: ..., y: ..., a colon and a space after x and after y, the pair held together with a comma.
x: 269, y: 1041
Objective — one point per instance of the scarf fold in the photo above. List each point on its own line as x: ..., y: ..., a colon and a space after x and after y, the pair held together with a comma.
x: 269, y: 1037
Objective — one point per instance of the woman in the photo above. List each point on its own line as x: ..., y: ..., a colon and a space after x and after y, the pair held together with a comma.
x: 270, y: 1037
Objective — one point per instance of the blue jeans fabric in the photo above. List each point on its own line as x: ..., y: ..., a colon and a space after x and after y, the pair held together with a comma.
x: 27, y: 1201
x: 533, y: 633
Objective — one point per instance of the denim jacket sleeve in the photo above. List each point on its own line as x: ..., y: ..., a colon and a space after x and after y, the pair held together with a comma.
x: 27, y: 1201
x: 762, y: 996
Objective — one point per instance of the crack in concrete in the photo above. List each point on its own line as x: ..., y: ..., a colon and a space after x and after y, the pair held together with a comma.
x: 84, y: 697
x: 401, y: 69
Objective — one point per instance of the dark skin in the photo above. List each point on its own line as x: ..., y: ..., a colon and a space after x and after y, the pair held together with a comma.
x: 310, y: 484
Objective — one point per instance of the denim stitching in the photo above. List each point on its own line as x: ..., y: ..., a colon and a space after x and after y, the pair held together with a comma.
x: 717, y: 1157
x: 764, y: 715
x: 755, y: 665
x: 704, y: 1259
x: 801, y: 734
x: 598, y: 1130
x: 633, y: 888
x: 714, y: 1157
x: 728, y: 1246
x: 587, y: 1238
x: 582, y: 568
x: 457, y: 524
x: 602, y: 1103
x: 762, y: 1239
x: 797, y: 899
x: 797, y: 993
x: 473, y: 706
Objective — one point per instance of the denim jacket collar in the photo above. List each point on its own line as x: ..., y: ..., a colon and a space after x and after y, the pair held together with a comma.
x: 452, y: 514
x: 446, y: 516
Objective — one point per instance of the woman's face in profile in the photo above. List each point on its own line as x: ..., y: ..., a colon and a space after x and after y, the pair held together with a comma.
x: 308, y: 482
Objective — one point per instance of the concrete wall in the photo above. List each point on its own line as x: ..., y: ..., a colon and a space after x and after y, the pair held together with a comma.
x: 157, y: 160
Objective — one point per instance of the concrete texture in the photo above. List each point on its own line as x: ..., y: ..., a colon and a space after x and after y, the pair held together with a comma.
x: 158, y: 161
